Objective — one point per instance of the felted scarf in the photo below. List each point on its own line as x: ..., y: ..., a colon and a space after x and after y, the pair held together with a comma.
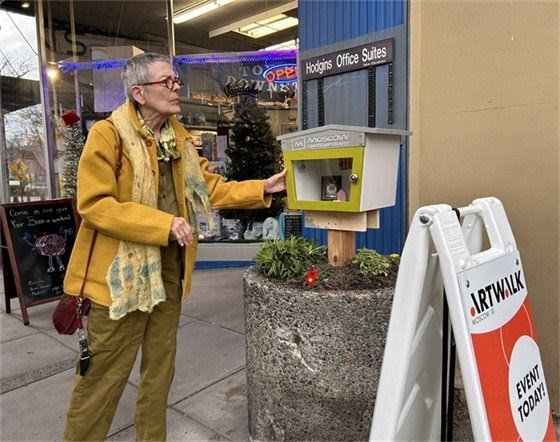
x: 134, y: 276
x: 166, y: 145
x: 196, y: 193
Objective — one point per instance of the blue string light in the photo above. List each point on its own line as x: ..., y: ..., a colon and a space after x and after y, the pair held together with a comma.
x: 238, y: 57
x: 226, y: 57
x: 70, y: 66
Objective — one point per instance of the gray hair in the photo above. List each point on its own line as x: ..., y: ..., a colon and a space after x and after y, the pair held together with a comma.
x: 136, y: 70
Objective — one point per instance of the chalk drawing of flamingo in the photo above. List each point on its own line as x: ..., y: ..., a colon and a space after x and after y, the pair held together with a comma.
x: 51, y: 245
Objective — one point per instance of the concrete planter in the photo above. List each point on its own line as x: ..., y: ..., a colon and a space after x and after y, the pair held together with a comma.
x: 313, y: 360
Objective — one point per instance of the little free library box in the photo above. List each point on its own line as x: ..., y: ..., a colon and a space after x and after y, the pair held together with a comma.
x: 342, y: 168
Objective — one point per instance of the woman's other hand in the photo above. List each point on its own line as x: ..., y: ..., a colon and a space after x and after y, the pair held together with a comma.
x: 181, y: 231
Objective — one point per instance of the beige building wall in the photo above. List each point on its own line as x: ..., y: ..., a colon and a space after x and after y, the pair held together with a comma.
x: 484, y: 114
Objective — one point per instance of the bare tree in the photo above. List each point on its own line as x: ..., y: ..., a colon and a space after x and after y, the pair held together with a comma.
x: 23, y: 127
x: 12, y: 65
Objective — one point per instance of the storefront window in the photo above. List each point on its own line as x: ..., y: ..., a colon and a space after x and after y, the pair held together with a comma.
x: 215, y: 83
x: 78, y: 96
x: 22, y: 135
x: 83, y: 85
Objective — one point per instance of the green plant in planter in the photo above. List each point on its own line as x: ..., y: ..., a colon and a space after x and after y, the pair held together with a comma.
x: 288, y: 258
x: 373, y: 264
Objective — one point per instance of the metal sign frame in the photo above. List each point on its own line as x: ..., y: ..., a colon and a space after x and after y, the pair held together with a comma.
x: 438, y: 253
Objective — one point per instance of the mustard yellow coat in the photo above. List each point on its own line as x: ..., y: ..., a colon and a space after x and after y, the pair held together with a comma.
x: 105, y: 206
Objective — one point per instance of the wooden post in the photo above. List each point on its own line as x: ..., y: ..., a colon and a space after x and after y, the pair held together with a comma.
x: 341, y: 247
x: 342, y: 228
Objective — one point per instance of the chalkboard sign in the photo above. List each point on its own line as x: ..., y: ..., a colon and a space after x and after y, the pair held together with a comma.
x: 38, y: 237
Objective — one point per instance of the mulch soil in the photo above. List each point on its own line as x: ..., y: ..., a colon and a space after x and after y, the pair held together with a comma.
x: 347, y: 277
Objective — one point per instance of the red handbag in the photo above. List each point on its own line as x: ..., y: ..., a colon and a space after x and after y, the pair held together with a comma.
x: 67, y: 316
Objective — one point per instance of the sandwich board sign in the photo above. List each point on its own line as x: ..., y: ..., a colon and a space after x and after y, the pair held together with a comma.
x: 491, y: 318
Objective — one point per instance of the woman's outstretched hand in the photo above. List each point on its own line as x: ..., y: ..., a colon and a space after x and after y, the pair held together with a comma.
x: 276, y: 183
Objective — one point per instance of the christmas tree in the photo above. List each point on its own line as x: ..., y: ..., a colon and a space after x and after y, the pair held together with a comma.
x: 74, y: 141
x: 253, y: 154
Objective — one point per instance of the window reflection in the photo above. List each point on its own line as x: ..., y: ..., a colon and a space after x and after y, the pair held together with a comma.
x: 23, y: 147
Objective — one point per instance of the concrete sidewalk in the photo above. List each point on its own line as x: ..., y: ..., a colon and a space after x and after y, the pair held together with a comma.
x: 208, y: 399
x: 208, y: 395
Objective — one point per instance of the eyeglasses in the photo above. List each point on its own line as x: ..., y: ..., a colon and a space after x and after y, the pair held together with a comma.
x: 169, y: 82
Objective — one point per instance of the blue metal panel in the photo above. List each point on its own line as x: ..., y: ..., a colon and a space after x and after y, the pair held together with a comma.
x: 200, y: 265
x: 326, y: 22
x: 322, y: 22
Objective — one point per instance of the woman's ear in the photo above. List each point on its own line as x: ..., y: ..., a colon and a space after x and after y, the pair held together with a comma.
x: 137, y: 93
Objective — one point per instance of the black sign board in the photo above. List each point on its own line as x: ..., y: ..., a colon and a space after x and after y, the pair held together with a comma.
x: 346, y: 60
x: 37, y: 238
x: 293, y: 225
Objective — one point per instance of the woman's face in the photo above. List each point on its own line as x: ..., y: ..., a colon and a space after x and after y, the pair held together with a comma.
x: 157, y: 97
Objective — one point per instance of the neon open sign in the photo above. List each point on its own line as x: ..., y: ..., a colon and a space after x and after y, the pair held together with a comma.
x: 281, y: 73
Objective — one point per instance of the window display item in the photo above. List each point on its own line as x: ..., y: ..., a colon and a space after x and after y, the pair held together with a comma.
x: 210, y: 231
x: 257, y: 229
x: 290, y: 224
x: 231, y: 229
x: 270, y: 229
x: 221, y: 146
x: 254, y: 231
x: 209, y: 146
x: 218, y: 167
x: 197, y: 141
x: 70, y: 117
x: 249, y: 235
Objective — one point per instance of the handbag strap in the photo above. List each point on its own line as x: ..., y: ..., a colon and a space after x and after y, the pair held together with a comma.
x: 117, y: 174
x: 84, y: 351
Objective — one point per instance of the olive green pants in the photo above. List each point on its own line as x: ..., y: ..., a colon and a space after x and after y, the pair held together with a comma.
x: 113, y: 348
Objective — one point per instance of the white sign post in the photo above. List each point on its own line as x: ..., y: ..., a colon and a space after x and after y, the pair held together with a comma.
x: 491, y: 319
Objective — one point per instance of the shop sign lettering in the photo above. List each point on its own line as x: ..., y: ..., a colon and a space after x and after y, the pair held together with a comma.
x: 327, y: 141
x: 359, y: 57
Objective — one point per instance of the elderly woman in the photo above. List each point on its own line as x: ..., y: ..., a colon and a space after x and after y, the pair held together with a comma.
x: 144, y: 253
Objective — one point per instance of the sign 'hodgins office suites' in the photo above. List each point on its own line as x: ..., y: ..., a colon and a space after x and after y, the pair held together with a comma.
x: 359, y: 57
